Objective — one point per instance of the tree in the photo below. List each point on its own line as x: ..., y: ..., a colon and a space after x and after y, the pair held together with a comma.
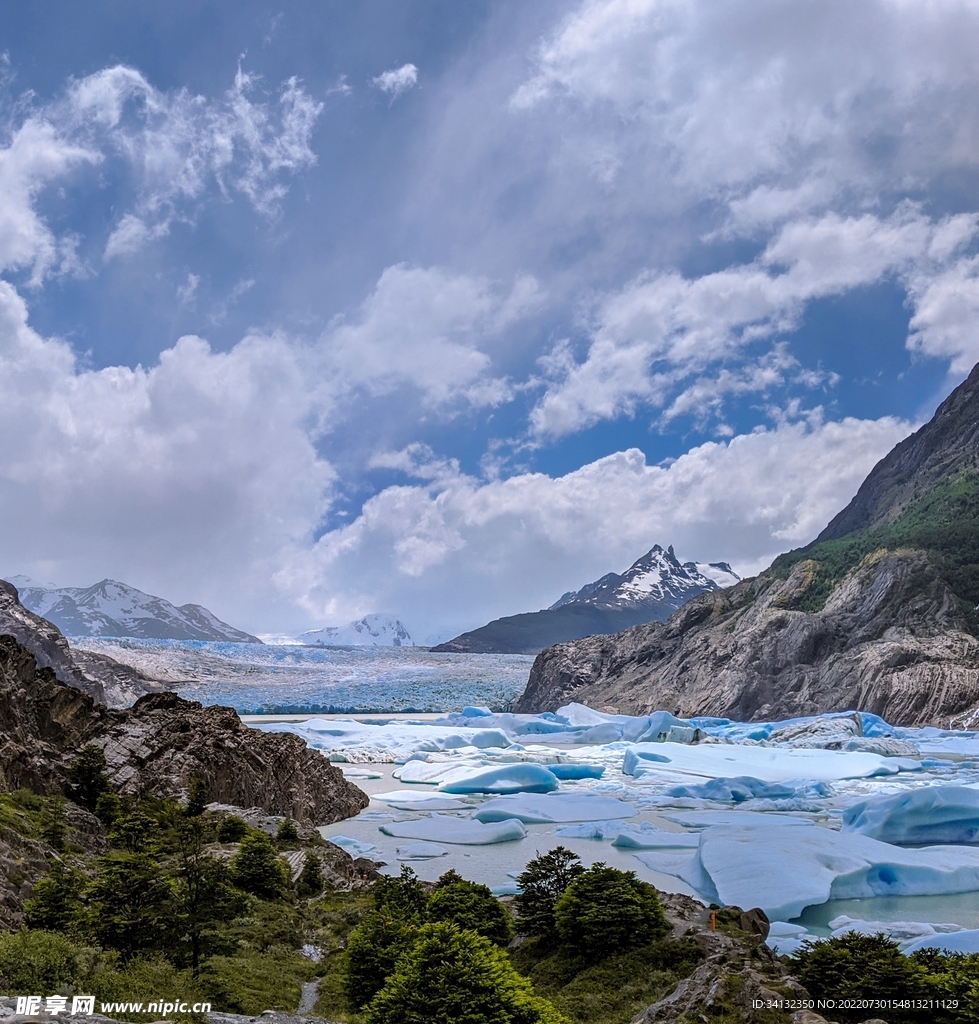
x: 457, y: 977
x: 108, y: 808
x: 402, y: 896
x: 287, y: 834
x: 473, y: 907
x: 131, y: 901
x: 257, y: 869
x: 605, y: 910
x: 232, y: 829
x: 310, y: 880
x: 87, y: 777
x: 54, y: 824
x: 541, y: 883
x: 135, y: 832
x: 197, y: 797
x: 55, y: 903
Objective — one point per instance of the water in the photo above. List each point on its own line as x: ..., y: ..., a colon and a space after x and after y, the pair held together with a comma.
x: 262, y: 679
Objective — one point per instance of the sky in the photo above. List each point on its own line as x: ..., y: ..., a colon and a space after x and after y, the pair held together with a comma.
x: 309, y: 311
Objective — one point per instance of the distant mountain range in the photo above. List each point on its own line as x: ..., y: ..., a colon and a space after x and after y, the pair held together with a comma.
x: 378, y: 630
x: 115, y: 609
x: 651, y: 589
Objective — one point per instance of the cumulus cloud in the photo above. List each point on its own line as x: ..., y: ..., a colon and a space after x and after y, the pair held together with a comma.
x: 456, y: 550
x: 397, y: 80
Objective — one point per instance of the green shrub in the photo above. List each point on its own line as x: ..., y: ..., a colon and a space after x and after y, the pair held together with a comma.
x: 605, y: 910
x: 131, y: 901
x: 473, y: 907
x: 55, y: 903
x: 287, y: 833
x: 457, y: 977
x: 196, y: 797
x: 37, y: 962
x: 541, y: 883
x: 87, y: 779
x: 257, y: 868
x: 310, y: 880
x: 373, y: 949
x: 232, y: 829
x: 108, y: 808
x: 402, y: 896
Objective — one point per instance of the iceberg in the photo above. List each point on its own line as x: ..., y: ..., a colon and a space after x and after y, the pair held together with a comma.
x: 571, y: 772
x: 646, y: 839
x: 412, y: 800
x: 507, y: 778
x: 420, y: 851
x: 441, y: 828
x: 929, y: 815
x: 741, y: 819
x: 736, y: 790
x: 965, y: 941
x: 355, y: 847
x: 555, y: 807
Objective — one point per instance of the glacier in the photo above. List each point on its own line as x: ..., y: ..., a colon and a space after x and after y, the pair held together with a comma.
x: 936, y: 814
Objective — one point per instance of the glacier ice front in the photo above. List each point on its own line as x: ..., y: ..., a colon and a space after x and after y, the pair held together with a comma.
x: 934, y: 814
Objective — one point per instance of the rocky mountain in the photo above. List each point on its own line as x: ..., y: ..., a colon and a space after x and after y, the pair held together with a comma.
x: 877, y: 614
x: 652, y: 588
x: 157, y: 747
x: 376, y: 630
x: 102, y: 678
x: 109, y: 608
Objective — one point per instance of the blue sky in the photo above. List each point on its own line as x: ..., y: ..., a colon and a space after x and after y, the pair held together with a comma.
x: 314, y: 310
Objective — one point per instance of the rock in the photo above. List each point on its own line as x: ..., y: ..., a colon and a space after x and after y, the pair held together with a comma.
x: 158, y: 746
x: 107, y: 681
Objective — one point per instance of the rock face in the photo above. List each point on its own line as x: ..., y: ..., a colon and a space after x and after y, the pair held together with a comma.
x: 158, y: 746
x: 107, y: 681
x: 878, y: 614
x: 653, y: 587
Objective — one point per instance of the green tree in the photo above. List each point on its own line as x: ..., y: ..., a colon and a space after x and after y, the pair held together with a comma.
x: 457, y: 977
x: 287, y: 834
x: 232, y: 829
x: 605, y: 910
x: 108, y: 808
x: 197, y: 797
x: 257, y: 867
x: 87, y: 777
x: 310, y: 880
x: 402, y: 896
x: 131, y: 903
x: 542, y: 883
x: 36, y: 961
x: 473, y: 907
x: 135, y: 832
x: 55, y: 903
x: 54, y: 824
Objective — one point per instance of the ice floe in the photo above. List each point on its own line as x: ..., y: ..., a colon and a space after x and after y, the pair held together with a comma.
x: 965, y: 941
x: 441, y: 828
x: 507, y: 778
x: 934, y: 814
x: 555, y: 807
x: 413, y: 800
x: 421, y: 851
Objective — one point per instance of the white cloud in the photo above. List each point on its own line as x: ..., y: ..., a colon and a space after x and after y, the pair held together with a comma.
x: 397, y: 80
x: 458, y: 551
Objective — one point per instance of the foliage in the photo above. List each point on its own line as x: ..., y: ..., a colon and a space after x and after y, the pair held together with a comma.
x: 143, y: 979
x: 257, y: 869
x: 55, y: 903
x: 108, y: 808
x: 249, y: 983
x: 403, y: 896
x: 37, y: 961
x: 541, y: 883
x: 310, y: 880
x: 373, y: 949
x: 197, y: 797
x: 131, y: 903
x: 87, y: 778
x: 232, y: 829
x: 457, y: 977
x: 135, y: 832
x: 473, y: 907
x: 605, y: 910
x: 287, y: 833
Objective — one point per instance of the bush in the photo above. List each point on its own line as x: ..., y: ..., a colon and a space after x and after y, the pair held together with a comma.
x: 196, y: 797
x: 37, y: 962
x: 87, y: 779
x: 541, y: 884
x: 310, y: 880
x: 473, y: 907
x: 108, y: 808
x: 257, y: 869
x: 287, y: 833
x: 55, y: 903
x: 402, y: 896
x: 373, y: 949
x: 457, y: 977
x: 605, y: 910
x: 232, y: 829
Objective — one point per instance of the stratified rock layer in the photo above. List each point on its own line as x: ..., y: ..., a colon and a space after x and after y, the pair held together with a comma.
x: 158, y: 746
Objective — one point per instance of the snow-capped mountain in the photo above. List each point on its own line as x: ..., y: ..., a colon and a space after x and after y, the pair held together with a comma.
x: 653, y: 587
x: 650, y: 581
x: 115, y: 609
x: 376, y: 630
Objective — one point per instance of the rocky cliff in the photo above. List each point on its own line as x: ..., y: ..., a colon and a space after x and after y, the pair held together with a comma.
x: 157, y: 747
x: 877, y: 614
x: 107, y: 681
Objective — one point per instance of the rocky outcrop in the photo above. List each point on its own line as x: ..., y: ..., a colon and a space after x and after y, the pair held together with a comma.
x: 891, y: 639
x: 107, y: 681
x: 158, y: 746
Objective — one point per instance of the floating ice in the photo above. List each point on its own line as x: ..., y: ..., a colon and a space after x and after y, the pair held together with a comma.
x: 933, y: 814
x: 506, y: 778
x: 740, y: 819
x: 441, y: 828
x: 904, y: 933
x: 355, y: 847
x: 784, y: 869
x: 555, y: 807
x: 412, y: 800
x: 965, y: 941
x: 570, y: 772
x: 645, y: 839
x: 768, y: 764
x: 420, y: 851
x: 736, y: 790
x: 786, y: 939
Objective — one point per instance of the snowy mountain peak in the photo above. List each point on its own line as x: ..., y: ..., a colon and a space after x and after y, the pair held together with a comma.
x: 377, y: 630
x: 656, y: 578
x: 110, y: 608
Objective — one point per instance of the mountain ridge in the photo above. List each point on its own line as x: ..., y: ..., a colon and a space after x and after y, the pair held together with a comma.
x: 878, y: 613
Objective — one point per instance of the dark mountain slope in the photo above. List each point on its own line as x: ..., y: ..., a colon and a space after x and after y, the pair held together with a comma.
x: 877, y: 614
